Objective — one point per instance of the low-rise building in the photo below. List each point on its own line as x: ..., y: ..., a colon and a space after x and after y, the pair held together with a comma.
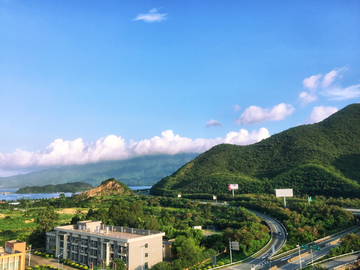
x: 12, y: 255
x: 90, y: 242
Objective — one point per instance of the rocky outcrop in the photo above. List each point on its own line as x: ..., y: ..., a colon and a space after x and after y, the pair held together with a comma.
x: 109, y: 187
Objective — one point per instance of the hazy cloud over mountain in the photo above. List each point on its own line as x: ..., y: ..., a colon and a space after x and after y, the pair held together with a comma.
x: 62, y: 152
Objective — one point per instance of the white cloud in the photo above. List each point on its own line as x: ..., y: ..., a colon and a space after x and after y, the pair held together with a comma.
x: 61, y: 152
x: 320, y: 113
x: 329, y: 88
x: 306, y: 97
x: 236, y: 108
x: 312, y: 82
x: 331, y: 76
x: 254, y: 114
x: 243, y: 137
x: 213, y: 123
x: 338, y: 93
x: 152, y: 16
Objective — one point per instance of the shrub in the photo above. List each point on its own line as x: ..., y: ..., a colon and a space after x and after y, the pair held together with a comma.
x: 209, y: 267
x: 36, y: 267
x: 85, y: 267
x: 29, y: 268
x: 76, y: 265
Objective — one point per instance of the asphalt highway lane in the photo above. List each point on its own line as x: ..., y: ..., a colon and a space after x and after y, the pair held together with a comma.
x: 260, y: 261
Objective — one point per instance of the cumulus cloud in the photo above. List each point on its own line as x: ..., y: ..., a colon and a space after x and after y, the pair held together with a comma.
x: 312, y: 82
x: 152, y: 16
x: 254, y: 114
x: 61, y: 152
x: 306, y: 97
x: 320, y: 113
x: 330, y: 77
x: 213, y: 123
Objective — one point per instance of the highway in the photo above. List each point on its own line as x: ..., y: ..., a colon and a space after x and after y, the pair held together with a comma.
x: 340, y: 261
x: 305, y: 259
x: 260, y: 260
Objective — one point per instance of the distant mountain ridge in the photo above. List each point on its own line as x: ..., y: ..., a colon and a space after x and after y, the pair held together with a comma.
x: 317, y: 159
x: 139, y: 171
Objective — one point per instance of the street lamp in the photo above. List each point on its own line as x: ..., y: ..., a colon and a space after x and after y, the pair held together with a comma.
x: 59, y: 259
x: 299, y: 255
x: 29, y: 253
x: 142, y: 257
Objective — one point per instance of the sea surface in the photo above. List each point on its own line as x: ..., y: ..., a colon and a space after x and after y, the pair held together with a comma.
x: 12, y: 196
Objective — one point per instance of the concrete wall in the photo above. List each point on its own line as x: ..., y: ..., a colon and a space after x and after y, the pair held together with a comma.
x: 137, y: 253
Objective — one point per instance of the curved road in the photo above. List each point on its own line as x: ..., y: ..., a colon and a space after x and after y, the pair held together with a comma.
x: 260, y: 260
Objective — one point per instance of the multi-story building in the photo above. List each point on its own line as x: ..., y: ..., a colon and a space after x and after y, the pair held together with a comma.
x: 90, y: 242
x: 12, y: 255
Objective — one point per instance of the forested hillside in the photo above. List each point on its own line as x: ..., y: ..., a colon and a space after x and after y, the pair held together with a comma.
x: 317, y: 159
x: 69, y: 187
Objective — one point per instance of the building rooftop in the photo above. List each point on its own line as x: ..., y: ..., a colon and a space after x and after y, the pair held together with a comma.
x: 96, y: 228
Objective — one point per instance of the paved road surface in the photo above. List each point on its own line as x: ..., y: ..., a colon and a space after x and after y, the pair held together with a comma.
x: 340, y: 261
x: 277, y: 240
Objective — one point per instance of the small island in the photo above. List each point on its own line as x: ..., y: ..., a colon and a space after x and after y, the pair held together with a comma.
x: 68, y: 187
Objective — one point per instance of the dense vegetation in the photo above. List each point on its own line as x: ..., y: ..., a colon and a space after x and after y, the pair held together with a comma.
x: 139, y: 171
x: 68, y: 187
x: 304, y: 222
x: 317, y: 159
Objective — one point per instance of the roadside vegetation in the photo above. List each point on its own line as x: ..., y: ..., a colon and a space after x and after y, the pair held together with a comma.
x: 177, y: 217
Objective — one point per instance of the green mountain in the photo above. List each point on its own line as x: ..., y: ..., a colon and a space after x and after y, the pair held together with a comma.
x: 69, y: 187
x: 140, y: 171
x: 316, y: 159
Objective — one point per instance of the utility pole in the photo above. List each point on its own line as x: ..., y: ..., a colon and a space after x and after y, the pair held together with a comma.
x: 230, y: 250
x: 299, y: 256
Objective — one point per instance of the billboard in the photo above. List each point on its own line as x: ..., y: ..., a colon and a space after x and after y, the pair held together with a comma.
x: 284, y: 192
x: 233, y: 186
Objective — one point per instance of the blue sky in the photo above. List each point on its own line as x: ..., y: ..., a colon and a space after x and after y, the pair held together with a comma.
x: 84, y: 81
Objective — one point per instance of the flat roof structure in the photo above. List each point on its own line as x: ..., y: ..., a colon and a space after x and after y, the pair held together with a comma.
x: 91, y: 242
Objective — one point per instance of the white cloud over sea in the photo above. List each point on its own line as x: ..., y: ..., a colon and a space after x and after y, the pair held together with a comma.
x: 62, y: 152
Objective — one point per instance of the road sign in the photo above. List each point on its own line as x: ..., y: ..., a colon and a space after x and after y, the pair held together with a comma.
x: 315, y: 248
x: 305, y: 246
x: 235, y: 246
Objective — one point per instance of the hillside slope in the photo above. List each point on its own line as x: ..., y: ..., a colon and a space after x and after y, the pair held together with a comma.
x: 297, y: 158
x: 109, y: 187
x: 140, y: 171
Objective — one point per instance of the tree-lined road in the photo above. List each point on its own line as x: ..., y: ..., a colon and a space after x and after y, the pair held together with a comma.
x: 277, y: 240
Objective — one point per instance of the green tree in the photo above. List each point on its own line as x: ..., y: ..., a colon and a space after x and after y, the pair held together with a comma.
x: 47, y: 219
x: 120, y: 264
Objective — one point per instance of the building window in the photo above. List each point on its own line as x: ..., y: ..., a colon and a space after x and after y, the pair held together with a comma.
x: 146, y: 245
x: 5, y: 265
x: 16, y: 264
x: 146, y: 255
x: 11, y: 265
x: 146, y: 265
